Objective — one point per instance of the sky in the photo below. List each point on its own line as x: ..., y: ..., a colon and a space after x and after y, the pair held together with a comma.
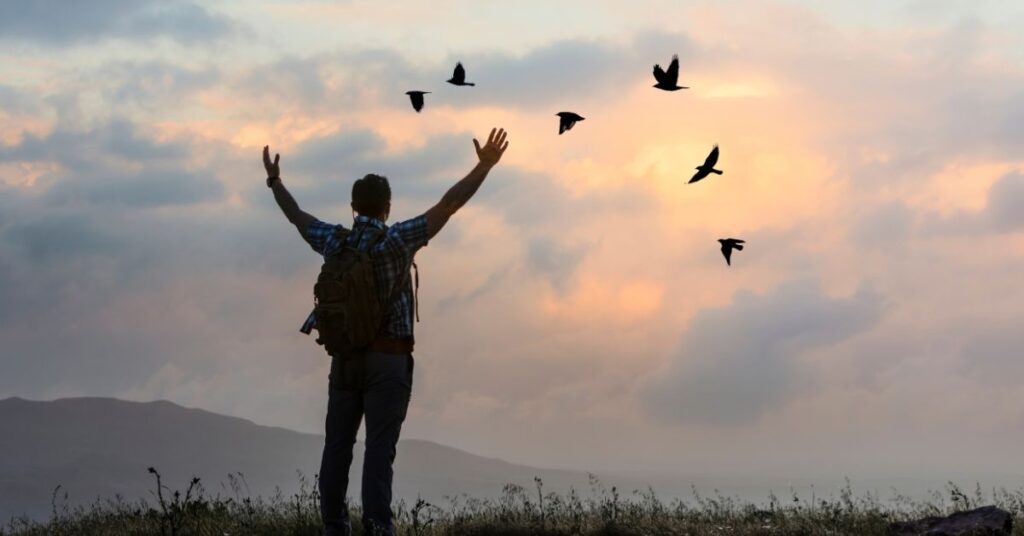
x: 577, y: 312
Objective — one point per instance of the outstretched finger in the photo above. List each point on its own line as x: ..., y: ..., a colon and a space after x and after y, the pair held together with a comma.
x: 277, y: 158
x: 490, y: 137
x: 476, y: 144
x: 503, y: 147
x: 501, y: 137
x: 266, y: 155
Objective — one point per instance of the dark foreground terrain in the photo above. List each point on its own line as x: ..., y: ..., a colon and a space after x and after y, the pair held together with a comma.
x: 97, y: 447
x: 519, y: 511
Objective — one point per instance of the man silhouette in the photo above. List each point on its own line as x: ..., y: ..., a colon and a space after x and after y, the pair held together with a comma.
x: 383, y: 394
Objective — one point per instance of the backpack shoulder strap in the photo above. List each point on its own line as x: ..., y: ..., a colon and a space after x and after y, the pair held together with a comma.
x: 341, y: 235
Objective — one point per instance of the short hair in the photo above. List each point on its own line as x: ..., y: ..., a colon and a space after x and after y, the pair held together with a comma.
x: 371, y: 195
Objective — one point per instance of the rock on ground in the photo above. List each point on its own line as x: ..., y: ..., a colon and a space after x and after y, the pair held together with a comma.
x: 985, y: 521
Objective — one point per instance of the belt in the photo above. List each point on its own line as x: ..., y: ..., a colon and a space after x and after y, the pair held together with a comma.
x: 387, y: 345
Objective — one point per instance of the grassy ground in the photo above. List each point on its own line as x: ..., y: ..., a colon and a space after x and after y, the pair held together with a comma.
x: 519, y: 511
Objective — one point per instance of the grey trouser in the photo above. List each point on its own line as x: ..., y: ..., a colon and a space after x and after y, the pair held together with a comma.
x: 383, y: 398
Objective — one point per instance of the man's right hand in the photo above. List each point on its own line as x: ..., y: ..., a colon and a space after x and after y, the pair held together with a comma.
x: 457, y: 195
x: 273, y: 170
x: 490, y: 153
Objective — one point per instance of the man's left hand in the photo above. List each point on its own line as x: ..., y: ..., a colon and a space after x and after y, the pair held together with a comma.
x: 273, y: 170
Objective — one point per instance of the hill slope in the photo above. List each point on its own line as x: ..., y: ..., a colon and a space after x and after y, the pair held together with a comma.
x: 101, y: 447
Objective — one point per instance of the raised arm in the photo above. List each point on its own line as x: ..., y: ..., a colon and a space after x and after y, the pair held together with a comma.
x: 291, y: 209
x: 463, y: 190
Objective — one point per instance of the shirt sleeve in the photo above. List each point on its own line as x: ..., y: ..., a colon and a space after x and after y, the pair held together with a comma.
x: 412, y: 233
x: 318, y: 234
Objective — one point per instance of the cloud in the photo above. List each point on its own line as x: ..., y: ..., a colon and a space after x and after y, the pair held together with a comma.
x: 1005, y: 208
x: 326, y: 166
x: 142, y: 83
x: 17, y: 100
x: 884, y: 226
x: 740, y: 362
x: 117, y: 137
x: 554, y: 260
x: 291, y: 78
x: 991, y: 354
x: 325, y: 82
x: 539, y: 80
x: 493, y: 281
x: 144, y: 189
x: 1001, y: 214
x: 59, y: 237
x: 566, y: 72
x: 69, y: 22
x: 113, y: 165
x: 101, y: 289
x: 540, y: 202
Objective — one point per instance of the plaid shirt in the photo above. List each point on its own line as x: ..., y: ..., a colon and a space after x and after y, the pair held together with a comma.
x: 392, y: 258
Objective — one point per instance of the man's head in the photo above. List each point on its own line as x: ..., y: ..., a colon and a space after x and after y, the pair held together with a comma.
x: 371, y: 196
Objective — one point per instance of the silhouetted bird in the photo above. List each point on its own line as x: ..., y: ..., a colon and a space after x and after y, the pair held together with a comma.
x: 417, y: 99
x: 567, y: 120
x: 667, y: 80
x: 729, y: 244
x: 459, y: 76
x: 708, y: 167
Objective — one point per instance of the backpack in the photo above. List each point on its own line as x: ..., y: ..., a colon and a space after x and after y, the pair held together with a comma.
x: 347, y: 309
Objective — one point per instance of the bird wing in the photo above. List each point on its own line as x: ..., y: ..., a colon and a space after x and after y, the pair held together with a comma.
x: 727, y: 252
x: 460, y: 72
x: 698, y: 176
x: 712, y: 158
x: 659, y: 74
x: 673, y: 70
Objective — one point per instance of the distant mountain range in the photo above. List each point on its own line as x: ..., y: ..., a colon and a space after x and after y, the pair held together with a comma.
x: 101, y: 447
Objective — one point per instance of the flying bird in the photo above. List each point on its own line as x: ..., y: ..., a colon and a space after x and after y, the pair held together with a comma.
x: 708, y: 167
x: 567, y: 120
x: 459, y: 76
x: 417, y: 99
x: 729, y: 244
x: 668, y: 80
